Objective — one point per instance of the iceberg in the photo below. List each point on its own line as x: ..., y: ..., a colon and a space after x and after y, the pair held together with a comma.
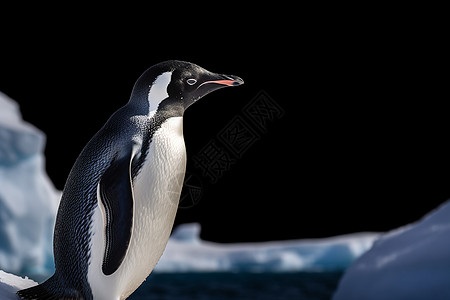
x: 28, y: 199
x: 186, y: 252
x: 412, y: 262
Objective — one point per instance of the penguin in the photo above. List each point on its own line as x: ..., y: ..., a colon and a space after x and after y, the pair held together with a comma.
x: 120, y: 199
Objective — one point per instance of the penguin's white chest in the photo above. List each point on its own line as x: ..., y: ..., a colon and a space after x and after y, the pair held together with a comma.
x: 156, y: 192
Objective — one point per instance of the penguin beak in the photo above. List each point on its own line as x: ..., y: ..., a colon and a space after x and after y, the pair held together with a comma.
x: 224, y: 80
x: 212, y: 83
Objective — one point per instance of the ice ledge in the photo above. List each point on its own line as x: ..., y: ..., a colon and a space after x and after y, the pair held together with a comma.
x: 186, y: 252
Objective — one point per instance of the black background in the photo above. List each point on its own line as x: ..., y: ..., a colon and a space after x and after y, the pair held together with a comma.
x: 362, y: 144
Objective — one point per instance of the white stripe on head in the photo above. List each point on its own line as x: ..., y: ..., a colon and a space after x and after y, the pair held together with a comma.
x: 158, y: 91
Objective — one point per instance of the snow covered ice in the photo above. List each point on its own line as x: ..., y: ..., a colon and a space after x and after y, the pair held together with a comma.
x: 412, y: 262
x: 28, y: 199
x: 10, y: 284
x: 186, y: 252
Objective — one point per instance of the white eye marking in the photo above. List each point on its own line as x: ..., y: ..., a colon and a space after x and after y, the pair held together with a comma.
x: 191, y: 81
x: 158, y: 90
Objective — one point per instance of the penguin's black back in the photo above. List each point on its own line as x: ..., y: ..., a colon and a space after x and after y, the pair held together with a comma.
x: 74, y: 218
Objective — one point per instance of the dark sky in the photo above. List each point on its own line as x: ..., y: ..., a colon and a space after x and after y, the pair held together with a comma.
x: 336, y: 130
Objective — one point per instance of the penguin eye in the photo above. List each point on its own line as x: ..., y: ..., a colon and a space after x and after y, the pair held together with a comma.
x: 191, y: 81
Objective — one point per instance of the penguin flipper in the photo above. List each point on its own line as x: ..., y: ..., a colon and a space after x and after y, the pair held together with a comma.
x: 117, y: 198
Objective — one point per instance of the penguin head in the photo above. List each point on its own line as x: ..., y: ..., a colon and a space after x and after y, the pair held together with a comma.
x: 175, y: 85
